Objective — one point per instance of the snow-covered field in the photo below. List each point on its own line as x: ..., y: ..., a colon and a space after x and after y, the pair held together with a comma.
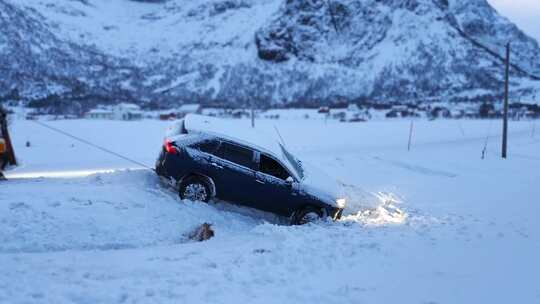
x: 434, y: 225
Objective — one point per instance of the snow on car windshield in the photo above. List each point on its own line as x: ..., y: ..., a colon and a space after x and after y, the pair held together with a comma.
x: 293, y: 161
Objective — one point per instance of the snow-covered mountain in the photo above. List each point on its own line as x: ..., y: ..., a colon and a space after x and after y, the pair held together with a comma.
x: 262, y: 51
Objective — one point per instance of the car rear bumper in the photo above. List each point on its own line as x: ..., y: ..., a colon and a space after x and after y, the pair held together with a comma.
x: 167, y: 165
x: 160, y: 168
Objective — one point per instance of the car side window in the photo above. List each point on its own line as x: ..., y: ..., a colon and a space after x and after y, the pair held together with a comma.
x: 235, y: 154
x: 207, y: 146
x: 271, y: 167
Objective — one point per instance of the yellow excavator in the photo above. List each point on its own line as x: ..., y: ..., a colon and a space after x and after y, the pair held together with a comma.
x: 7, y: 154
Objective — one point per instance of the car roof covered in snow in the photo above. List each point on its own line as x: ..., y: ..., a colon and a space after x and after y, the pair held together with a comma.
x: 241, y: 133
x: 233, y: 130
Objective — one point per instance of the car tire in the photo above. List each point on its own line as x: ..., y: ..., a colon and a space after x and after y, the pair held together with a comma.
x: 307, y: 215
x: 195, y: 189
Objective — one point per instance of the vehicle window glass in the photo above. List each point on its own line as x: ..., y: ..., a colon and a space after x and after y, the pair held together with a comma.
x: 235, y: 154
x: 207, y: 146
x: 270, y: 166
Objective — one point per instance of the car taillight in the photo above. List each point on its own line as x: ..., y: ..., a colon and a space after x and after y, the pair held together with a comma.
x: 170, y: 147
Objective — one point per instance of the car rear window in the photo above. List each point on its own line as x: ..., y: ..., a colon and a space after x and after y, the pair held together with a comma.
x: 235, y: 154
x: 207, y: 146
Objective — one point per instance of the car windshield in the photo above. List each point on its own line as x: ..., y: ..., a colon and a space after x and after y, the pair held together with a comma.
x: 293, y: 161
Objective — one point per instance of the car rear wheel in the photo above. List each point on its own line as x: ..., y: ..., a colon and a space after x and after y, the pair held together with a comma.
x: 195, y: 189
x: 307, y: 215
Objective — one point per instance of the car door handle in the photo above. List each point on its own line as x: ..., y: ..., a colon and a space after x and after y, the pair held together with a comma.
x: 260, y: 181
x: 216, y: 165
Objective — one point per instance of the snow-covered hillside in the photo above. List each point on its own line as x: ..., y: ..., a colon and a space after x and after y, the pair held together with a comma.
x: 434, y: 225
x: 266, y: 52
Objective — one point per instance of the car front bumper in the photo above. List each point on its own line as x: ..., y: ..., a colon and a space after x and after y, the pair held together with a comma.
x: 334, y: 213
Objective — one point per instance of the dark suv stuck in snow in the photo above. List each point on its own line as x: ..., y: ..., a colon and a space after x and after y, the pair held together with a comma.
x: 207, y: 158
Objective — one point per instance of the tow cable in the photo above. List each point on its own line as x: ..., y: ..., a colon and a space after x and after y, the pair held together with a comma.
x: 84, y: 141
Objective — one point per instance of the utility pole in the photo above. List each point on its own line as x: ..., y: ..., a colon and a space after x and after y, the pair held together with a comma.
x: 410, y: 135
x: 505, y: 115
x: 252, y: 116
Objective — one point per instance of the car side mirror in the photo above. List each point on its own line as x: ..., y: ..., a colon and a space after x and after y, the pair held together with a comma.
x: 289, y: 181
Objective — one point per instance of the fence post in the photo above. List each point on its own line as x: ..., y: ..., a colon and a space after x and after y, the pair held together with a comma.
x: 410, y: 135
x: 252, y: 117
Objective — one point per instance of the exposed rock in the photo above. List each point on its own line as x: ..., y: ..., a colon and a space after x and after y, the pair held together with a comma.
x: 201, y: 233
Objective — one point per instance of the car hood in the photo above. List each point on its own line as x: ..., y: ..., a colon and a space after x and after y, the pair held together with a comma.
x: 319, y: 184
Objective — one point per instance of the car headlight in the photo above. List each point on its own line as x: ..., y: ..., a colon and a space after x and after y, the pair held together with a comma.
x: 341, y: 203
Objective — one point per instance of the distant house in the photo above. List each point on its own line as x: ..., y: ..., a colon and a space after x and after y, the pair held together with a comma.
x: 183, y: 110
x: 188, y: 108
x: 353, y: 108
x: 457, y: 114
x: 127, y: 111
x: 167, y: 116
x: 341, y: 115
x: 239, y: 113
x: 440, y: 112
x: 324, y: 110
x: 360, y: 117
x: 401, y: 111
x: 122, y: 111
x: 31, y: 116
x: 400, y: 108
x: 99, y: 114
x: 471, y: 113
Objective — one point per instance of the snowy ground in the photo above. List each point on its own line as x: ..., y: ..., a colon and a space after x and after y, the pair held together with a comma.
x: 77, y: 227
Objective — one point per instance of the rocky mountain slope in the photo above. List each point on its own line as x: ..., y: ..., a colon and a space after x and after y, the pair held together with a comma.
x: 258, y: 51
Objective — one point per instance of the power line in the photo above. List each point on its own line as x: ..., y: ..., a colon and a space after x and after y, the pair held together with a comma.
x: 92, y: 145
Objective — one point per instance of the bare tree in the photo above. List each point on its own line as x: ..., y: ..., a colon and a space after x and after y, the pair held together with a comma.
x: 332, y: 15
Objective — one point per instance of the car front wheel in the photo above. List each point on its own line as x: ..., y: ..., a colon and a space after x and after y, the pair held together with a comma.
x: 195, y: 189
x: 307, y: 215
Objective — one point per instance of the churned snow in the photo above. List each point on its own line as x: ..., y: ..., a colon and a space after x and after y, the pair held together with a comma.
x: 434, y: 225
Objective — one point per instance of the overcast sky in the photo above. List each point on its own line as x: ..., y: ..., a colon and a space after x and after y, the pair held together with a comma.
x: 524, y: 13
